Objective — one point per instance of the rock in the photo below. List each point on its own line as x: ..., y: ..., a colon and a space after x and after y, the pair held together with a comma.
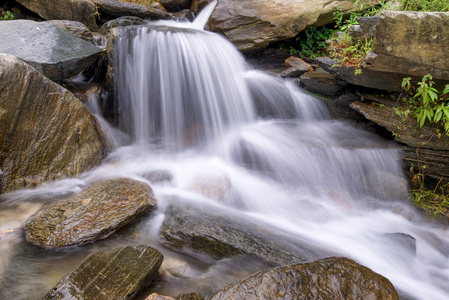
x: 432, y: 152
x: 330, y: 278
x: 98, y: 211
x: 75, y: 10
x: 412, y: 43
x: 208, y: 230
x: 78, y: 29
x: 253, y: 24
x: 191, y: 296
x: 156, y: 296
x: 46, y: 133
x: 184, y: 15
x: 121, y: 21
x: 406, y: 241
x: 53, y: 51
x: 120, y: 9
x: 175, y: 5
x: 198, y: 5
x: 386, y: 186
x: 366, y: 29
x: 369, y: 78
x: 116, y: 274
x: 321, y: 82
x: 212, y: 186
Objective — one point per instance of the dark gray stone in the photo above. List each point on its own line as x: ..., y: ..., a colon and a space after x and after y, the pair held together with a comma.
x: 120, y: 9
x: 51, y: 50
x: 321, y: 82
x: 118, y: 274
x: 78, y: 29
x: 121, y: 21
x: 207, y: 230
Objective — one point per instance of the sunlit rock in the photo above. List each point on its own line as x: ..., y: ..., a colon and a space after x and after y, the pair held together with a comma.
x: 45, y: 132
x: 78, y: 29
x: 156, y: 296
x: 330, y: 278
x: 53, y: 51
x: 118, y: 274
x: 253, y: 24
x: 98, y: 211
x: 121, y: 8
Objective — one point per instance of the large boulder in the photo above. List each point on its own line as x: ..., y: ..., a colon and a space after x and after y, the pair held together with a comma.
x: 74, y: 10
x: 175, y: 5
x: 412, y: 43
x: 51, y: 50
x: 253, y: 24
x: 118, y: 274
x: 46, y: 133
x: 97, y: 212
x: 330, y: 278
x: 119, y: 8
x: 76, y: 28
x: 209, y: 230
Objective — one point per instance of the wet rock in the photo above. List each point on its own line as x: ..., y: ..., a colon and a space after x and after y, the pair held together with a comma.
x: 386, y: 186
x: 75, y: 10
x: 158, y: 176
x: 432, y: 152
x: 98, y: 211
x: 184, y: 15
x: 198, y: 5
x: 53, y: 51
x: 156, y: 296
x: 120, y: 9
x: 210, y: 231
x: 321, y: 82
x: 295, y: 67
x: 78, y: 29
x: 191, y: 296
x: 46, y: 133
x: 253, y: 24
x: 212, y: 186
x: 175, y: 5
x: 406, y: 241
x: 116, y: 274
x: 330, y: 278
x: 120, y: 22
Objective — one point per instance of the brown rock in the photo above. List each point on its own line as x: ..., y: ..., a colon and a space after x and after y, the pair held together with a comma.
x: 116, y: 274
x: 46, y: 133
x: 98, y: 211
x: 330, y: 278
x: 156, y: 296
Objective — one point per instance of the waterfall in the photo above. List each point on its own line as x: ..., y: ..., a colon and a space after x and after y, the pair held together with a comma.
x: 196, y: 111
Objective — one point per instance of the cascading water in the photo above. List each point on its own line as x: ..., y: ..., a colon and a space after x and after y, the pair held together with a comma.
x: 196, y: 112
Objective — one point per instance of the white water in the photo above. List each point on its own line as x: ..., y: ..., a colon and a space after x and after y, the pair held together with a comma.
x: 195, y: 111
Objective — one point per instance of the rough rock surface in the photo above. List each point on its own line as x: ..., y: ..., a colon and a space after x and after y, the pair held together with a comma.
x: 330, y: 278
x: 45, y: 132
x: 98, y: 211
x: 432, y: 152
x: 413, y: 43
x: 116, y: 274
x: 253, y: 24
x: 78, y: 29
x: 51, y: 50
x: 210, y: 231
x: 120, y: 9
x: 75, y: 10
x: 175, y: 5
x: 321, y: 82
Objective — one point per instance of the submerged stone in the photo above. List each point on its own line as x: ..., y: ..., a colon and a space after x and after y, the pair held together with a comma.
x: 118, y: 274
x: 46, y: 133
x: 51, y: 50
x: 213, y: 232
x: 329, y: 278
x: 98, y: 211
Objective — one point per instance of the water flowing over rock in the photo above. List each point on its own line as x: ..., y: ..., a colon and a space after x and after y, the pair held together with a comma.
x: 98, y: 211
x: 45, y: 132
x: 253, y: 24
x: 120, y: 9
x: 330, y: 278
x: 51, y: 50
x: 118, y: 274
x: 75, y: 10
x: 210, y: 231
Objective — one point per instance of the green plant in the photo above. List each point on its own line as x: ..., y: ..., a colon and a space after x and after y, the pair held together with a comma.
x: 427, y: 103
x: 350, y: 53
x: 8, y: 16
x: 309, y: 43
x: 424, y: 5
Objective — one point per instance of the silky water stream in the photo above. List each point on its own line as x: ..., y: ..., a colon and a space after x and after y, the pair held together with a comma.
x: 197, y: 114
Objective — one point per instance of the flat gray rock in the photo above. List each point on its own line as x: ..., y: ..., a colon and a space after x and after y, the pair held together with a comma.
x: 51, y: 50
